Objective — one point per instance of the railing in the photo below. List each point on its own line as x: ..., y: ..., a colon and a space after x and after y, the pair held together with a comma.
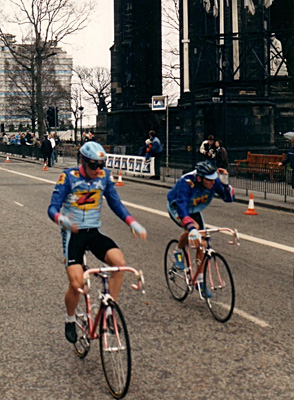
x: 277, y: 182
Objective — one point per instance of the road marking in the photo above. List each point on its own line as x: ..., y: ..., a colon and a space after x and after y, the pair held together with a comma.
x: 21, y: 205
x: 27, y: 176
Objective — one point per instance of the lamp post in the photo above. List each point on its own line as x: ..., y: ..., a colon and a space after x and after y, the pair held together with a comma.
x: 81, y: 109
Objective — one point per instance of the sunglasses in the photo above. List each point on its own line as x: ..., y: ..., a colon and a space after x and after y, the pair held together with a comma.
x: 96, y: 164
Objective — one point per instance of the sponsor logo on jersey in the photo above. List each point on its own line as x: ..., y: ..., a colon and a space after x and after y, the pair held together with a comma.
x: 201, y: 199
x: 61, y: 179
x: 75, y: 173
x: 190, y: 183
x: 87, y: 200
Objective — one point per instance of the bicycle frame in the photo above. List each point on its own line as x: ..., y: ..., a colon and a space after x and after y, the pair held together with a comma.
x: 206, y: 234
x: 104, y: 296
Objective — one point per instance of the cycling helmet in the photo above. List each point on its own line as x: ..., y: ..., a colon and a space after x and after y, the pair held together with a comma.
x: 93, y: 154
x: 206, y: 170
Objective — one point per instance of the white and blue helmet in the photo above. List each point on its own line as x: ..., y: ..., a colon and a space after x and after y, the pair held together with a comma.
x: 93, y: 154
x: 206, y: 170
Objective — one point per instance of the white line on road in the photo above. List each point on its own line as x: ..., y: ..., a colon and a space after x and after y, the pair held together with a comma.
x: 27, y: 176
x: 17, y: 203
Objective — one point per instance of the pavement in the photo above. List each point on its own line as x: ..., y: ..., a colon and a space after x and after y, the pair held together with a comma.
x: 268, y: 200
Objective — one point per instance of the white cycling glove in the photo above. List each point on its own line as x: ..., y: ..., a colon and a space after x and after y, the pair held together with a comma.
x: 64, y: 222
x: 193, y: 236
x: 137, y: 228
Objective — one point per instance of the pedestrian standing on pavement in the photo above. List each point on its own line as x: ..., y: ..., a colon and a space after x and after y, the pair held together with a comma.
x: 154, y: 149
x: 207, y: 148
x: 221, y: 156
x: 289, y: 160
x: 46, y: 150
x: 53, y: 144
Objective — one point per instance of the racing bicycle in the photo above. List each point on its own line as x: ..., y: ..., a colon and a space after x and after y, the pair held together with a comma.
x: 110, y: 329
x: 218, y: 279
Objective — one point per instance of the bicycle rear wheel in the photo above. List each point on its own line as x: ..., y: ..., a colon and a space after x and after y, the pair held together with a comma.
x: 175, y: 279
x: 218, y: 281
x: 82, y: 345
x: 115, y: 352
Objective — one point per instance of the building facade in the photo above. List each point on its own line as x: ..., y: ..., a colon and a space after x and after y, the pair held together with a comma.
x: 17, y: 87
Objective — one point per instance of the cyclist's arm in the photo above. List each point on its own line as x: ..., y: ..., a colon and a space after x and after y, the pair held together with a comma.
x: 61, y: 190
x: 226, y: 192
x: 183, y: 199
x: 114, y: 202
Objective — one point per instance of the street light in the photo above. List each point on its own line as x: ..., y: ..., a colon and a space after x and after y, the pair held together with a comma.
x: 81, y: 109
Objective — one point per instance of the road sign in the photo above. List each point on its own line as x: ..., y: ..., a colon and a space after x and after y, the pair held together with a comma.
x: 159, y: 103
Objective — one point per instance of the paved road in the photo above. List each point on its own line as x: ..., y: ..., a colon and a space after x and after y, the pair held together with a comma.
x: 179, y: 351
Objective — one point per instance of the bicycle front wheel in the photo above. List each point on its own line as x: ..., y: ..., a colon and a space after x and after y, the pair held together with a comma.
x: 115, y: 351
x: 175, y: 278
x: 219, y: 286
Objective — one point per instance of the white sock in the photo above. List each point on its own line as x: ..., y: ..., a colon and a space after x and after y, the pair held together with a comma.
x: 69, y: 318
x: 199, y: 278
x: 177, y: 250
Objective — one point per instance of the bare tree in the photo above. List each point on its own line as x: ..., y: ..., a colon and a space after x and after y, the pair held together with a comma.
x: 96, y: 84
x: 46, y: 24
x: 170, y: 47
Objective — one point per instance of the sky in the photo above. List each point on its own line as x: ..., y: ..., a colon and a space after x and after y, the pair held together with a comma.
x: 90, y: 47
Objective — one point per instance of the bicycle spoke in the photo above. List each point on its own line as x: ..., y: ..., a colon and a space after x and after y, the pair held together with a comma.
x: 115, y: 352
x: 218, y: 281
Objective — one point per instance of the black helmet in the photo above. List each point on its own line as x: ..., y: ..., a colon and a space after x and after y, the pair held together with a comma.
x: 206, y: 170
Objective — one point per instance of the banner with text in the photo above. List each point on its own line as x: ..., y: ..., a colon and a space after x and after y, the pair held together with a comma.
x: 134, y: 165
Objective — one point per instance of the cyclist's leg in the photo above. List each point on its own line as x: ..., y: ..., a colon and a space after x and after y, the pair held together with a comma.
x: 114, y: 257
x: 108, y: 252
x: 72, y: 296
x: 73, y: 249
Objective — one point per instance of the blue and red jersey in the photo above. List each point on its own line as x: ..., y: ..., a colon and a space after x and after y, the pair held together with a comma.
x: 189, y: 196
x: 80, y: 199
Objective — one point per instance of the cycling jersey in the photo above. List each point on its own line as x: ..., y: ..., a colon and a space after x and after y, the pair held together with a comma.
x: 80, y: 198
x: 189, y: 197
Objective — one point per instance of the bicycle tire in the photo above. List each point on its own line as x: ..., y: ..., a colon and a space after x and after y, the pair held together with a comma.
x: 175, y: 279
x: 218, y: 280
x: 115, y: 353
x: 82, y: 345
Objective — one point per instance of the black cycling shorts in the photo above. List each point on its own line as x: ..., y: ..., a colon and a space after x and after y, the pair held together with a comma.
x: 75, y: 245
x: 175, y: 217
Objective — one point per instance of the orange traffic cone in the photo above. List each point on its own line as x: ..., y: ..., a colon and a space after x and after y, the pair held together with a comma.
x: 45, y: 166
x: 7, y: 158
x: 251, y: 210
x: 119, y: 182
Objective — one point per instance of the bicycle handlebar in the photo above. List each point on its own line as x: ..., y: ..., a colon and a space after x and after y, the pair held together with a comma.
x: 233, y: 232
x: 106, y: 268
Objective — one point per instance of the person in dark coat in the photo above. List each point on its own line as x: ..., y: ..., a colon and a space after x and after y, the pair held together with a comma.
x: 221, y: 155
x: 46, y: 149
x: 289, y: 160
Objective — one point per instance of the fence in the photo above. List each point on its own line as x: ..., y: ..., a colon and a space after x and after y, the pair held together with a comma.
x: 276, y: 182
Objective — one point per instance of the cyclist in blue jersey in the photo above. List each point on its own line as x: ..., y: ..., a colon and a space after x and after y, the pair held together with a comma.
x: 76, y: 206
x: 192, y: 193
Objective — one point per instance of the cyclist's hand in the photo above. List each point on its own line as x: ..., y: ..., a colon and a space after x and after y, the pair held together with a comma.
x: 193, y: 237
x: 136, y: 228
x: 64, y: 222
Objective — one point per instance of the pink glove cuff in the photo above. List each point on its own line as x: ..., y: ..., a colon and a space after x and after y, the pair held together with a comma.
x: 129, y: 220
